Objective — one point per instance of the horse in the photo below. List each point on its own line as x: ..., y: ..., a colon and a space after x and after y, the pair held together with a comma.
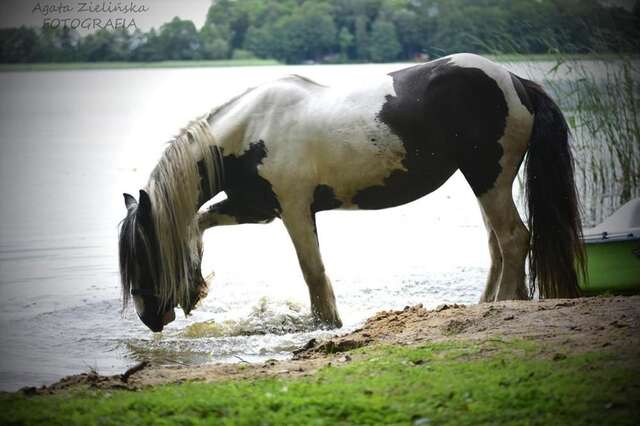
x: 292, y: 148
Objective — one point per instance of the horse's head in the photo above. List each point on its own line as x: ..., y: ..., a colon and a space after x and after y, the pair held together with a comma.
x: 140, y: 264
x: 155, y: 287
x: 160, y: 239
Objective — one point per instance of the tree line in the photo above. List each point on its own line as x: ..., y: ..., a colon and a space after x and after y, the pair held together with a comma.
x: 296, y: 31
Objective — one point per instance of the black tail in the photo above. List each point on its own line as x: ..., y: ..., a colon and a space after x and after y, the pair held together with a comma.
x: 557, y: 253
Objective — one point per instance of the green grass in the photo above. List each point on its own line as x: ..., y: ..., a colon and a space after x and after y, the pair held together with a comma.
x: 453, y: 383
x: 63, y: 66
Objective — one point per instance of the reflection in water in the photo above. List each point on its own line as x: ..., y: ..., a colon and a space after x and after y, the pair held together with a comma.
x: 71, y: 142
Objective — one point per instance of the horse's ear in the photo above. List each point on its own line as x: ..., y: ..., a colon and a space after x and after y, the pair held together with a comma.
x: 144, y: 201
x: 129, y: 201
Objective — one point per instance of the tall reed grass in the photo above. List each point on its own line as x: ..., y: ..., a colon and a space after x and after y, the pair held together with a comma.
x: 601, y: 99
x: 600, y: 96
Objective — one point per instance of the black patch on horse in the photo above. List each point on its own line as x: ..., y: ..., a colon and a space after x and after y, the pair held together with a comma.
x: 324, y: 198
x: 252, y: 194
x: 205, y: 194
x: 447, y: 117
x: 203, y: 197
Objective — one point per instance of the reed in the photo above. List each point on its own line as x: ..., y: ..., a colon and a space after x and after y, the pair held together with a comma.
x: 602, y: 99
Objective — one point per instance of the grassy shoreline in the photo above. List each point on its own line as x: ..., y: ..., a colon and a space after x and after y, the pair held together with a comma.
x: 70, y: 66
x: 460, y: 382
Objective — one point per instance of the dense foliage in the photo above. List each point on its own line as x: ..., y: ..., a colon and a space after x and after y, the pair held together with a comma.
x: 295, y: 31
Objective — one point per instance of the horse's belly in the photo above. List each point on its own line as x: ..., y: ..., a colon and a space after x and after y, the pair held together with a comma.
x: 402, y: 187
x: 358, y: 158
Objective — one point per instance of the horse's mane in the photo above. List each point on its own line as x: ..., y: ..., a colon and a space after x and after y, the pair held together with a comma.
x: 175, y: 189
x: 190, y: 167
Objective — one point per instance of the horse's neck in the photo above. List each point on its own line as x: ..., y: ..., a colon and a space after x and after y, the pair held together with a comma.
x: 189, y: 172
x: 228, y: 124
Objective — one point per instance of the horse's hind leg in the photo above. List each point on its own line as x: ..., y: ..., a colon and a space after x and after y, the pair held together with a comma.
x: 513, y: 241
x: 493, y: 279
x: 490, y: 167
x: 506, y: 230
x: 300, y: 222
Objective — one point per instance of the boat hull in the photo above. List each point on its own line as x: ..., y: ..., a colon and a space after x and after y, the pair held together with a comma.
x: 613, y: 267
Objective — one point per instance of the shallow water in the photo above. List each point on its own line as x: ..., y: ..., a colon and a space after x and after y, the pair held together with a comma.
x: 71, y: 142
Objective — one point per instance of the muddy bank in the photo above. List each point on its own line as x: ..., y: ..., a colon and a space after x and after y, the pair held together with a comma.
x: 563, y: 326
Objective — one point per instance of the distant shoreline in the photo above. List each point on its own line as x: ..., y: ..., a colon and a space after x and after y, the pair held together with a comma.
x: 72, y: 66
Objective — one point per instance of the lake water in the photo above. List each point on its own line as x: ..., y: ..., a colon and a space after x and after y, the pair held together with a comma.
x: 71, y: 142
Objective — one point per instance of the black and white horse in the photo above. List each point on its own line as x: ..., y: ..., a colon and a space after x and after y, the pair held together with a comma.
x: 292, y: 148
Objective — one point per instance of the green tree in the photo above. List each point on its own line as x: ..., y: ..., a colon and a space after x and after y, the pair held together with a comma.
x: 261, y: 41
x: 19, y: 45
x: 146, y: 46
x: 308, y: 34
x: 361, y: 38
x: 98, y: 46
x: 214, y: 43
x: 384, y: 46
x: 464, y: 25
x: 179, y: 39
x: 410, y: 34
x: 345, y: 40
x: 231, y: 21
x: 58, y: 44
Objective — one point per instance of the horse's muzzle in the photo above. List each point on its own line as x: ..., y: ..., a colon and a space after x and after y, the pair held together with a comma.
x: 157, y: 323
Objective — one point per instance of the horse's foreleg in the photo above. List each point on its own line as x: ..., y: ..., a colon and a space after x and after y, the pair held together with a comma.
x: 300, y: 223
x: 229, y: 212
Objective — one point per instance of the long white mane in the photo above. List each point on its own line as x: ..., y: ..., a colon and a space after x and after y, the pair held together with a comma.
x: 176, y: 189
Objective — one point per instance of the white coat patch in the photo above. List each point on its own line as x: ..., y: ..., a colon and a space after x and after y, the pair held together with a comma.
x: 329, y: 136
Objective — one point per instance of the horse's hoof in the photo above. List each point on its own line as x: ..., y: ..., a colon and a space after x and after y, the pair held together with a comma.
x: 334, y: 322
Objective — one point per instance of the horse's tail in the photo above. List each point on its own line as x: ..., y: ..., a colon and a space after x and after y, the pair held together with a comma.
x: 556, y: 252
